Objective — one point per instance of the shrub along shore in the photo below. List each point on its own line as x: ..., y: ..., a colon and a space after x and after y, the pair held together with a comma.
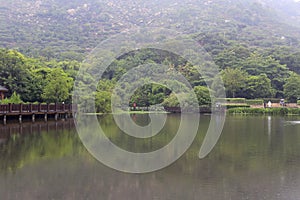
x: 259, y: 106
x: 268, y: 111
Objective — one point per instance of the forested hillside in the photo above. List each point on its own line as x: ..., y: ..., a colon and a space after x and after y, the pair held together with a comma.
x: 254, y: 42
x: 69, y: 29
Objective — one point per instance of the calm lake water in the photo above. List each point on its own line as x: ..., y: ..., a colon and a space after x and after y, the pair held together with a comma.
x: 257, y: 157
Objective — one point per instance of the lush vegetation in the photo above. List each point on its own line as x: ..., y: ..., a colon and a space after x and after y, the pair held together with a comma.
x: 34, y: 80
x: 14, y: 99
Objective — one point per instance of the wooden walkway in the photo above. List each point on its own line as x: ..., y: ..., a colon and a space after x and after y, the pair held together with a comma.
x: 33, y: 110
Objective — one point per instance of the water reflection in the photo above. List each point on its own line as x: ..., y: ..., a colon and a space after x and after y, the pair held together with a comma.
x: 48, y: 161
x: 98, y: 142
x: 269, y: 125
x: 29, y: 142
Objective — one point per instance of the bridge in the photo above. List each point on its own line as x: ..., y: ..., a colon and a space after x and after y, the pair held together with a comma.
x: 54, y: 110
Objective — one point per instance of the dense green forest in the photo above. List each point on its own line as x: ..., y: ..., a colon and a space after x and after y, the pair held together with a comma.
x: 246, y: 74
x: 44, y: 42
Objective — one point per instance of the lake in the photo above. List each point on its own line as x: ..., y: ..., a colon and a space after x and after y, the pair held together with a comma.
x: 256, y: 157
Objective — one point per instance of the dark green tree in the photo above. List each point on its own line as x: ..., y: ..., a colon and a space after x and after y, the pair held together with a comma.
x: 292, y: 89
x: 257, y: 87
x: 234, y: 80
x: 203, y: 95
x: 14, y: 73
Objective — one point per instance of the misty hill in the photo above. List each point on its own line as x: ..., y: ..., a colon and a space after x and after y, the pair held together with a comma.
x: 69, y: 29
x: 288, y: 9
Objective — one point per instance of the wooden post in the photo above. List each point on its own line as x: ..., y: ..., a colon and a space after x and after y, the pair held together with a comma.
x: 20, y: 118
x: 10, y: 107
x: 4, y: 119
x: 21, y: 108
x: 33, y: 117
x: 39, y: 107
x: 56, y: 116
x: 46, y: 117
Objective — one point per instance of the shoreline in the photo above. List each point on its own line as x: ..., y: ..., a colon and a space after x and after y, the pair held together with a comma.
x: 265, y: 111
x: 234, y: 110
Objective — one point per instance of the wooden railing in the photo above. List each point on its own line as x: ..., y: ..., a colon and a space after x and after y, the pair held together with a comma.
x: 34, y: 108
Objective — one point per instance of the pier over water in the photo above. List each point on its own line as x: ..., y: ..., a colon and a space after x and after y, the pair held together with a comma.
x: 33, y: 111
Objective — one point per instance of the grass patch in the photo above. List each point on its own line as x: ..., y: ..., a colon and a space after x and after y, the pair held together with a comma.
x: 254, y: 101
x: 232, y: 100
x: 231, y: 106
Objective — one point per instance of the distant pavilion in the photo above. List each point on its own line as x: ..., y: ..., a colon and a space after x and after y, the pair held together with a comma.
x: 2, y: 91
